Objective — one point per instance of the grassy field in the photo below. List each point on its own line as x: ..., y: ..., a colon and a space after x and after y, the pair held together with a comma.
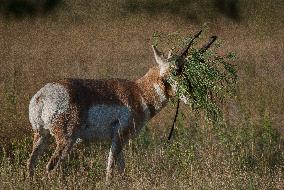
x: 103, y: 39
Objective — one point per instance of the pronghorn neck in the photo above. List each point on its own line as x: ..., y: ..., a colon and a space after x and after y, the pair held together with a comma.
x: 153, y: 91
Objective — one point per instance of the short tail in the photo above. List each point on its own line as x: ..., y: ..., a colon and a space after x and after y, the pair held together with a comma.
x: 35, y: 112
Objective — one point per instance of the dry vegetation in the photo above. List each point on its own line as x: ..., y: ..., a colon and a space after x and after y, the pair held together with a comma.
x: 101, y: 39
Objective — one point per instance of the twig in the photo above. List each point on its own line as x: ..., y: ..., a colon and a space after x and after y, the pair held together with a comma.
x: 175, y: 119
x: 185, y: 50
x: 207, y: 46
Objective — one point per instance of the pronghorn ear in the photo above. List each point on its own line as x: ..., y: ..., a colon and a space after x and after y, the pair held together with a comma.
x: 159, y: 57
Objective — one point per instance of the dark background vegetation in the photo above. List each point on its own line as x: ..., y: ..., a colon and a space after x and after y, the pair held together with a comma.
x: 46, y: 40
x: 24, y: 8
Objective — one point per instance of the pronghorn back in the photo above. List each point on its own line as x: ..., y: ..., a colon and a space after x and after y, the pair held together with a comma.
x: 94, y: 100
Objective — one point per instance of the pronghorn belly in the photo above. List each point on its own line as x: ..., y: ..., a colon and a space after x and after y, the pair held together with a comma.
x: 47, y: 104
x: 104, y: 120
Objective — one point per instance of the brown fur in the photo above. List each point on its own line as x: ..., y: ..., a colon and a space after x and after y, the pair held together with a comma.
x: 86, y: 93
x: 146, y: 87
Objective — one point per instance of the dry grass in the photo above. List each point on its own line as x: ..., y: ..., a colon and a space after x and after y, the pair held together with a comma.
x: 193, y: 161
x: 102, y: 39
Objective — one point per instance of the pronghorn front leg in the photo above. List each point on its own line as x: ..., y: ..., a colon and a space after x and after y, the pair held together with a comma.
x: 115, y: 156
x: 120, y: 162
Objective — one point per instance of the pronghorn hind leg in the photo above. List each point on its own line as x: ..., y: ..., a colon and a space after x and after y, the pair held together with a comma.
x: 64, y: 130
x: 40, y: 144
x: 62, y: 150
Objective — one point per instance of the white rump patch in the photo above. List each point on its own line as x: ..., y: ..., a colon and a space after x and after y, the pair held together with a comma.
x: 47, y: 104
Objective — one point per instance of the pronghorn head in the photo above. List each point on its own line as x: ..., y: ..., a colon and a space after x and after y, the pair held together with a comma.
x: 175, y: 63
x: 166, y: 65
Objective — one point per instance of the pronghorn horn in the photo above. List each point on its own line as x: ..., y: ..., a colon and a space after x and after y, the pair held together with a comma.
x: 207, y: 46
x: 185, y: 50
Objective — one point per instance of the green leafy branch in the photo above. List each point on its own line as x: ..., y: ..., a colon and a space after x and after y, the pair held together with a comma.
x: 206, y: 81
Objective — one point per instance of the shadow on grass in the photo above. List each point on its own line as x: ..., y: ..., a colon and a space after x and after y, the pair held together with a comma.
x: 188, y: 9
x: 229, y: 8
x: 27, y: 8
x: 193, y: 10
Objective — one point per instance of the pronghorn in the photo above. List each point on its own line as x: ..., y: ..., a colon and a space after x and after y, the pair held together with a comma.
x: 91, y: 110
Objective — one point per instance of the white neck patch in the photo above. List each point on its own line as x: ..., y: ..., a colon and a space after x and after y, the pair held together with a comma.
x: 160, y: 94
x: 145, y: 109
x: 163, y: 69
